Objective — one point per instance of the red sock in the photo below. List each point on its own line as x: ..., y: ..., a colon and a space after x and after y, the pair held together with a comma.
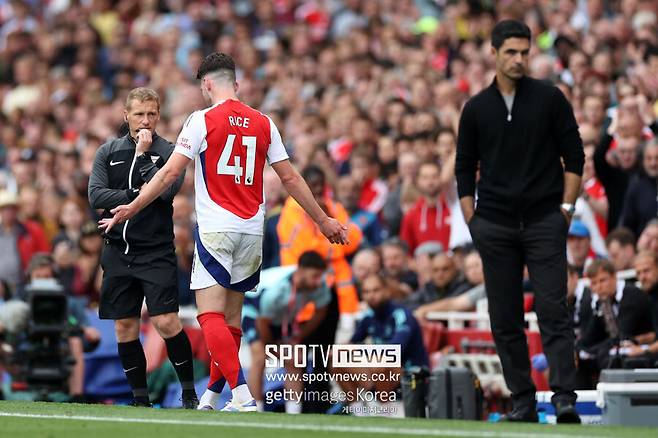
x: 221, y: 345
x: 215, y: 372
x: 237, y: 335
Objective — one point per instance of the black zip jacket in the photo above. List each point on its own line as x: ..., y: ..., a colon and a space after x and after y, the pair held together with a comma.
x: 520, y: 154
x: 115, y: 180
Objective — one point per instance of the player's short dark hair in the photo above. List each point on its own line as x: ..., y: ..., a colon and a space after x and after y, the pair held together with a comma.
x: 508, y: 29
x: 622, y: 235
x: 312, y: 260
x: 216, y: 62
x: 600, y: 265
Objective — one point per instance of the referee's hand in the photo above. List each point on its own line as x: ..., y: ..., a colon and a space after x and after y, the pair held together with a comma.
x: 121, y: 214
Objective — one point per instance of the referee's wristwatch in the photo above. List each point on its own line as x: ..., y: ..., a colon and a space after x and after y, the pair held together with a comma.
x: 569, y: 208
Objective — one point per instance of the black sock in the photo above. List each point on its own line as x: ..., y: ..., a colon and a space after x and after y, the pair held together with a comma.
x: 179, y: 351
x: 134, y: 366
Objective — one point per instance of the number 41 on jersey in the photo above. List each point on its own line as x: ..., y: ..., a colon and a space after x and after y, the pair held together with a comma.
x: 224, y: 168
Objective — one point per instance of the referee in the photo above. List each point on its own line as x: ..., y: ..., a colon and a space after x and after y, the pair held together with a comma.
x: 138, y: 258
x: 522, y: 134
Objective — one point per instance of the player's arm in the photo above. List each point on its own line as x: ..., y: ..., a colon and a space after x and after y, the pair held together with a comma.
x: 298, y: 189
x: 100, y: 195
x: 163, y: 178
x: 147, y: 170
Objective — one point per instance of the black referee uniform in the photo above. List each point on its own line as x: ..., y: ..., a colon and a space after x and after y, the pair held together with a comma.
x: 138, y: 259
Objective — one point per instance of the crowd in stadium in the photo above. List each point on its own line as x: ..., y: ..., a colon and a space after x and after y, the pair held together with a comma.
x: 367, y: 95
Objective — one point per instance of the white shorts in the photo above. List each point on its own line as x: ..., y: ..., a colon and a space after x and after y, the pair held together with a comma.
x: 232, y: 260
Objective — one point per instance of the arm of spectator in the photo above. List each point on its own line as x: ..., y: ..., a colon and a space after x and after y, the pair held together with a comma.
x: 460, y: 303
x: 599, y: 206
x: 629, y: 217
x: 264, y: 330
x: 604, y: 170
x: 100, y: 195
x: 312, y: 324
x: 645, y: 338
x: 447, y: 176
x: 407, y: 233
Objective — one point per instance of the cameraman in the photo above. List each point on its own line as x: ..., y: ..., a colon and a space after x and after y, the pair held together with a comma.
x: 42, y: 267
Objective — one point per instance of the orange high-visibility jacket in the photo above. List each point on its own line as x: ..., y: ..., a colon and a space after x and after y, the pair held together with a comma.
x: 298, y: 233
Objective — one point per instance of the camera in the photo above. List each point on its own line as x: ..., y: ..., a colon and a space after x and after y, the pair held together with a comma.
x: 40, y: 359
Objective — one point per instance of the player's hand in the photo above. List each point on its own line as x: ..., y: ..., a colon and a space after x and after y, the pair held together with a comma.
x: 334, y: 231
x: 121, y: 214
x: 144, y: 141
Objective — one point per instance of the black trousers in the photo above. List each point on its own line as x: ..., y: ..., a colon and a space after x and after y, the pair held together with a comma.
x: 541, y: 246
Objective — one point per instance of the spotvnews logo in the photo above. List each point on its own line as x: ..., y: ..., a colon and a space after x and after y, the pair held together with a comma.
x: 336, y: 355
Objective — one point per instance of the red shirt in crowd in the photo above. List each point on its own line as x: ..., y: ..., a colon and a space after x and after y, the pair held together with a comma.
x: 425, y: 222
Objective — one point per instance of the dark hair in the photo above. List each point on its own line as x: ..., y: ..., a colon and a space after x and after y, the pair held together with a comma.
x: 599, y: 265
x: 216, y: 62
x: 508, y: 29
x: 312, y: 171
x: 622, y: 235
x: 311, y: 259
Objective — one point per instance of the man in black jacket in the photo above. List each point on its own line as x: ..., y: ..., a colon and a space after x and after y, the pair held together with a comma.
x: 640, y: 205
x: 521, y: 131
x: 138, y: 259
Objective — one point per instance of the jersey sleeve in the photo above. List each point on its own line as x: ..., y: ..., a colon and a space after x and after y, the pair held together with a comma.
x: 276, y: 151
x: 192, y: 135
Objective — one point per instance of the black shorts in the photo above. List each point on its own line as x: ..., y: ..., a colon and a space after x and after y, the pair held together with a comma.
x: 128, y: 279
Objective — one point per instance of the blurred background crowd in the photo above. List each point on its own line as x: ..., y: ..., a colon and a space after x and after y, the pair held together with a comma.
x: 367, y: 96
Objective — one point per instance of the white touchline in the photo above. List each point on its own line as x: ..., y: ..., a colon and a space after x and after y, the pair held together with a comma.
x: 309, y: 427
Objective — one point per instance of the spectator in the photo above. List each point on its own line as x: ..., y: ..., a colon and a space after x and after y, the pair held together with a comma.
x: 385, y: 323
x: 364, y: 169
x: 579, y: 251
x: 274, y: 198
x: 621, y: 248
x: 465, y: 301
x: 365, y: 262
x: 446, y: 283
x: 614, y: 168
x: 429, y: 219
x: 395, y: 263
x: 648, y: 240
x: 19, y: 241
x: 621, y: 312
x: 278, y: 319
x: 347, y: 193
x: 423, y: 256
x: 640, y: 204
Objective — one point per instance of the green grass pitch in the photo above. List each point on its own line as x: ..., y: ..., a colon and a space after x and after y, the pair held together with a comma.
x: 52, y: 420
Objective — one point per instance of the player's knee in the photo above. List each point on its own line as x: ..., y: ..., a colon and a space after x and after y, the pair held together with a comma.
x: 167, y: 324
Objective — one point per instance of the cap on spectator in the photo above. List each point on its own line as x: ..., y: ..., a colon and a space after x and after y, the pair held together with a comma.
x: 578, y: 229
x: 28, y: 154
x: 7, y: 199
x: 430, y: 248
